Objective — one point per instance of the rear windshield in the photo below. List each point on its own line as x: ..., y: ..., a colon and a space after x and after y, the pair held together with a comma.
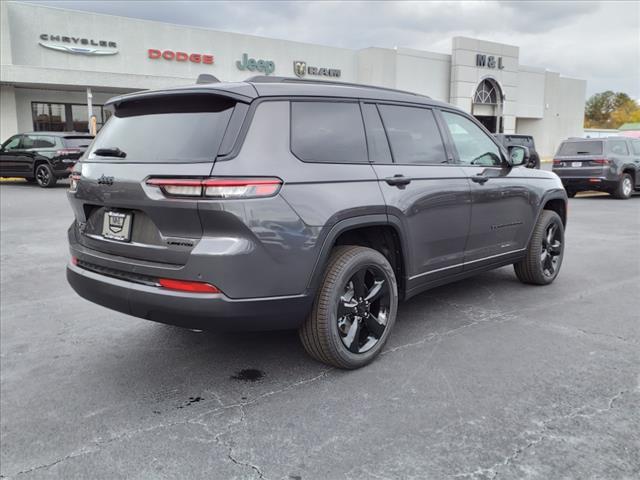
x: 588, y: 147
x: 77, y: 142
x: 169, y: 129
x: 523, y: 141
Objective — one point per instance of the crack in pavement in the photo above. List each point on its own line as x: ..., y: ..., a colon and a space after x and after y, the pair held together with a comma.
x: 493, y: 471
x: 98, y: 445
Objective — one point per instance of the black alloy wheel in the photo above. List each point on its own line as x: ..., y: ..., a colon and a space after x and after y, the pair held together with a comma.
x: 44, y: 176
x: 354, y: 309
x: 363, y: 309
x: 551, y: 250
x: 545, y: 252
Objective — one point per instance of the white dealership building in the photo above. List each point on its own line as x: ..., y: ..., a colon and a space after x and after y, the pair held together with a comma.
x: 58, y: 67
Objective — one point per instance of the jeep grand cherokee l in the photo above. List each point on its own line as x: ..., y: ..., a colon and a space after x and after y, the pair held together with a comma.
x: 275, y: 203
x: 610, y: 164
x: 42, y: 157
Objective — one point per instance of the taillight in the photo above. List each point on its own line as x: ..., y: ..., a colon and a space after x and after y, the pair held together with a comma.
x: 178, y: 187
x: 74, y: 179
x: 557, y: 162
x: 601, y: 161
x: 187, y: 286
x: 221, y: 187
x: 74, y: 260
x: 68, y: 151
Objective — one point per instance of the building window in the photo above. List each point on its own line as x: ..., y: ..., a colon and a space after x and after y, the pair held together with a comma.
x: 49, y: 117
x: 486, y: 93
x: 60, y: 117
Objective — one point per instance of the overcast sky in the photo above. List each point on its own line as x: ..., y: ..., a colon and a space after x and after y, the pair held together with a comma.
x: 596, y: 41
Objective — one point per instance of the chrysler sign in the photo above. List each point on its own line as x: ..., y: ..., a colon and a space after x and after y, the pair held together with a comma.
x: 78, y: 45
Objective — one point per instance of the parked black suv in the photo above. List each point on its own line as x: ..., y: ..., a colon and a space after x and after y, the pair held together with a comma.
x: 610, y: 164
x: 276, y: 203
x: 43, y: 157
x: 510, y: 140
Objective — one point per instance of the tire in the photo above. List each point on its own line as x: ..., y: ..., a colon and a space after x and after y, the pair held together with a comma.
x: 44, y: 176
x: 543, y: 260
x: 344, y: 341
x: 624, y: 190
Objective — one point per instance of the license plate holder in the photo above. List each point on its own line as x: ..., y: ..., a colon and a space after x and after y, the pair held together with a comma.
x: 576, y: 164
x: 117, y: 225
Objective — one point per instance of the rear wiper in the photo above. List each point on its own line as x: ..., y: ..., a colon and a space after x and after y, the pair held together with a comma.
x: 110, y: 152
x: 582, y: 153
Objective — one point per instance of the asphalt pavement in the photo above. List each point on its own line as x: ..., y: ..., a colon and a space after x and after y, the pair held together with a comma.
x: 485, y: 378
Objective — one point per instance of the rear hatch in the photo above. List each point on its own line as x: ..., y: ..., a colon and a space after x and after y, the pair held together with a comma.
x: 170, y: 136
x: 580, y: 159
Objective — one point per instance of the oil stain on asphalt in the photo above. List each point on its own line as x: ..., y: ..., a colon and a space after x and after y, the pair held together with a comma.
x: 248, y: 375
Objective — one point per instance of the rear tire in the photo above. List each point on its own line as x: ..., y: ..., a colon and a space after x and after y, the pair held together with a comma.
x: 624, y: 190
x: 45, y: 176
x: 343, y: 331
x: 543, y: 260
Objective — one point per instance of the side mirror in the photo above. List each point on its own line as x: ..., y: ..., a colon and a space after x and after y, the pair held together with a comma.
x: 518, y: 155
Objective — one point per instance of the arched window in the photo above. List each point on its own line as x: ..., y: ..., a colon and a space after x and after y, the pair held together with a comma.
x: 488, y: 93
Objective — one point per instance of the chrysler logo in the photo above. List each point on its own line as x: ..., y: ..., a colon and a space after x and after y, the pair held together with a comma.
x: 78, y: 45
x: 104, y: 180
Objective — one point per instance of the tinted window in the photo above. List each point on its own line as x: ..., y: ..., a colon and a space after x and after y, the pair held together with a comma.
x: 376, y: 137
x: 77, y: 142
x: 586, y: 147
x: 523, y: 141
x: 618, y: 147
x: 636, y: 146
x: 38, y: 142
x: 168, y: 129
x: 413, y: 135
x: 328, y: 132
x: 12, y: 144
x: 473, y: 145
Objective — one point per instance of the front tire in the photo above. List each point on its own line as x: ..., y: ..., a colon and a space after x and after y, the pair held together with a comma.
x: 45, y: 176
x: 354, y: 310
x: 543, y: 260
x: 624, y: 190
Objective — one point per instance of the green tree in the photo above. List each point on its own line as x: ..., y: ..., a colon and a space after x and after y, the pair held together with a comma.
x: 600, y: 106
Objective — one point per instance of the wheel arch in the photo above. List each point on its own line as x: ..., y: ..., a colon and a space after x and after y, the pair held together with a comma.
x: 379, y: 231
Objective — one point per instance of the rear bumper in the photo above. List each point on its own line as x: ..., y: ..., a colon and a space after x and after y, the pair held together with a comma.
x: 592, y: 183
x: 189, y: 310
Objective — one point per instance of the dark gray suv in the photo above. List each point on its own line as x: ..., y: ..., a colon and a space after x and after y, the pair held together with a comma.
x: 276, y: 203
x: 609, y: 164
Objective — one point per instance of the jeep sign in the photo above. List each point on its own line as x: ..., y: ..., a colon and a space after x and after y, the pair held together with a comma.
x: 265, y: 66
x: 489, y: 61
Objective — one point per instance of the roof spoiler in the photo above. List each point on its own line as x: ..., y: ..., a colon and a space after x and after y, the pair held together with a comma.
x: 206, y: 78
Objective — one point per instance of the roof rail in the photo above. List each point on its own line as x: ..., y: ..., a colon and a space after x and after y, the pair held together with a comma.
x: 272, y: 79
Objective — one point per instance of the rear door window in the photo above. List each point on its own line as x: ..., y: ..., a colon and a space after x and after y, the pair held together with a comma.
x: 618, y: 147
x: 413, y: 134
x: 169, y: 129
x: 328, y: 132
x: 587, y: 147
x: 635, y: 144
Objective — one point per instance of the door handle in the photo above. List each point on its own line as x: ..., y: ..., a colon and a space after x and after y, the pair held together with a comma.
x: 398, y: 180
x: 480, y: 178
